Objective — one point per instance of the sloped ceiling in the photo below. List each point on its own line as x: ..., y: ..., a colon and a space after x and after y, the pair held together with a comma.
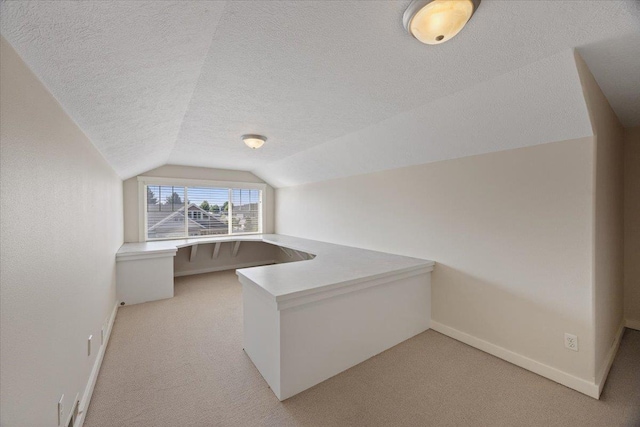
x: 124, y: 71
x: 541, y: 102
x: 338, y: 87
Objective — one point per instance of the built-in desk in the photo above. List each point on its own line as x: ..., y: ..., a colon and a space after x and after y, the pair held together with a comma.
x: 145, y: 271
x: 304, y: 321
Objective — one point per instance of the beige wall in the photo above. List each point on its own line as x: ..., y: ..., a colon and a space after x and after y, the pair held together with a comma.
x: 249, y: 254
x: 61, y: 227
x: 130, y: 190
x: 632, y: 227
x: 511, y: 233
x: 608, y: 233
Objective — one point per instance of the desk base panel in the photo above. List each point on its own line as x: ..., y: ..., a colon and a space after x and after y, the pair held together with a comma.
x: 143, y: 280
x: 299, y: 347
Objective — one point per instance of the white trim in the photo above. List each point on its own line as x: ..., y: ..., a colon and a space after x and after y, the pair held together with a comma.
x: 583, y: 386
x: 230, y: 212
x: 184, y: 182
x: 88, y: 391
x: 261, y: 212
x: 632, y: 324
x: 222, y: 268
x: 185, y: 196
x: 606, y: 366
x: 142, y: 208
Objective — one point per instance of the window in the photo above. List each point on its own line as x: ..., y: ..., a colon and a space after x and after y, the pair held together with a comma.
x: 211, y: 208
x: 246, y: 210
x: 165, y: 212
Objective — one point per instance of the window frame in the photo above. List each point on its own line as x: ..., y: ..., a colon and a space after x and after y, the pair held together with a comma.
x: 144, y: 181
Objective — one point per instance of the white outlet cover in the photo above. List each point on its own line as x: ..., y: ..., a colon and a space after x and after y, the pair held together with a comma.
x: 571, y: 341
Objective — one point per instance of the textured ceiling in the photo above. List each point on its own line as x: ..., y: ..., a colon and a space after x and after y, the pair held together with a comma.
x: 541, y: 102
x: 338, y: 87
x: 124, y: 71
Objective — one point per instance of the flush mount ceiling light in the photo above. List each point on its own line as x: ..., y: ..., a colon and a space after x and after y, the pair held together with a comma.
x: 436, y: 21
x: 254, y: 141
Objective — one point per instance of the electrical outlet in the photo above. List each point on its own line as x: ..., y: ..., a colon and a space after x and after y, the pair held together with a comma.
x: 60, y: 410
x: 89, y: 345
x: 571, y: 341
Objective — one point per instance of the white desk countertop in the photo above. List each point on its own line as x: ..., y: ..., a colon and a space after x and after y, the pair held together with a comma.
x: 334, y: 266
x: 171, y: 246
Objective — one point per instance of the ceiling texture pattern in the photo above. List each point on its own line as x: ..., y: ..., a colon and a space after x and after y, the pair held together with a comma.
x: 338, y: 87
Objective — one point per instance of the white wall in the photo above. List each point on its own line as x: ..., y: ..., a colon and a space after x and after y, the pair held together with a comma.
x: 61, y: 227
x: 632, y: 227
x: 511, y: 233
x: 130, y: 188
x: 608, y: 210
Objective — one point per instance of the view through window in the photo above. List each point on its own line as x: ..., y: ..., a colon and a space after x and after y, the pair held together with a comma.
x: 209, y: 211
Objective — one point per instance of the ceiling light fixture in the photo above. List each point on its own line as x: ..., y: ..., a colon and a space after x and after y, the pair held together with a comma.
x: 436, y: 21
x: 254, y: 141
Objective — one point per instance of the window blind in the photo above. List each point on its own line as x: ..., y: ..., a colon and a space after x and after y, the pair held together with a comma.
x: 246, y: 209
x: 181, y: 211
x: 208, y: 211
x: 165, y: 212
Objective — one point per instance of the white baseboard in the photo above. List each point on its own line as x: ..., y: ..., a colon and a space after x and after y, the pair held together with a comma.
x: 606, y: 366
x: 632, y: 324
x: 561, y: 377
x: 222, y: 268
x: 88, y: 391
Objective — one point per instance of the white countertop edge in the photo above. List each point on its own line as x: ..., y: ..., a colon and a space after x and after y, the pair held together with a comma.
x: 165, y: 246
x: 305, y: 296
x: 419, y: 269
x: 129, y: 256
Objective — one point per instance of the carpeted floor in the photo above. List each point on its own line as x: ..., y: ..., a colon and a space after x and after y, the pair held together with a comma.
x: 179, y: 362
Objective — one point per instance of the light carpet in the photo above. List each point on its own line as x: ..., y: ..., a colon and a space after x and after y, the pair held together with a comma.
x: 179, y: 362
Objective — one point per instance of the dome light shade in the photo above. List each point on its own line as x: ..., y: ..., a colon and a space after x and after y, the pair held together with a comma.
x: 436, y: 21
x: 254, y: 141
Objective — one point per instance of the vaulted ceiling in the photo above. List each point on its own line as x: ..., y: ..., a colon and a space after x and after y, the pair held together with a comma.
x: 338, y: 87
